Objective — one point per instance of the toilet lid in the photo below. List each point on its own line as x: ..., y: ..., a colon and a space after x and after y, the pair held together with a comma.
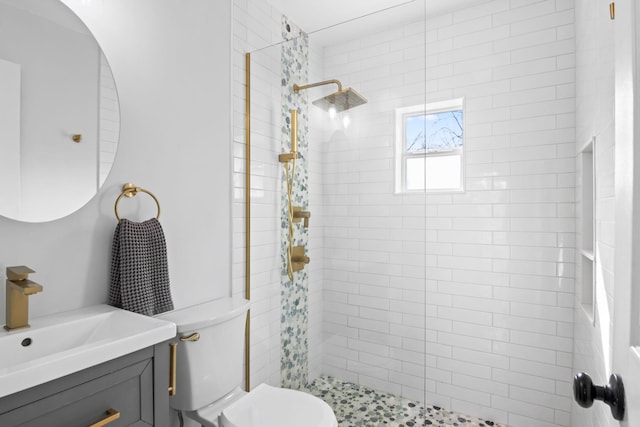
x: 267, y: 406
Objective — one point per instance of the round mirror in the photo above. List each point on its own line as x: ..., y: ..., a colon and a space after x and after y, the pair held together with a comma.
x: 59, y: 111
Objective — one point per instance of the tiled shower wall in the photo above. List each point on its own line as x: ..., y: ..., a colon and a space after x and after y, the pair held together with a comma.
x: 499, y: 257
x: 315, y: 247
x: 294, y: 176
x: 374, y: 241
x: 256, y: 26
x: 595, y: 118
x: 499, y: 261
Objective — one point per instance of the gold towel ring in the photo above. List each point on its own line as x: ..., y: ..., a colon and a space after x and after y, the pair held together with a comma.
x: 131, y: 190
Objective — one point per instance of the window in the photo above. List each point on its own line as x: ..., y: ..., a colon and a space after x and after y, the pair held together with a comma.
x: 429, y: 147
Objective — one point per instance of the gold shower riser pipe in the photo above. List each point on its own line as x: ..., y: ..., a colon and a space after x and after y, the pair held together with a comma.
x: 247, y: 219
x: 294, y: 131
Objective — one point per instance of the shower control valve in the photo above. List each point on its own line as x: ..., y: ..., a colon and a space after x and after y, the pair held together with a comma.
x: 298, y: 258
x: 299, y: 215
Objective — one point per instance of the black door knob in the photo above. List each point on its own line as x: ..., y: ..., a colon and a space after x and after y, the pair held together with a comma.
x: 613, y: 394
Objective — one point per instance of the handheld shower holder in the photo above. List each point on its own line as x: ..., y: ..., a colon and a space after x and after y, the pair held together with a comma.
x: 287, y: 157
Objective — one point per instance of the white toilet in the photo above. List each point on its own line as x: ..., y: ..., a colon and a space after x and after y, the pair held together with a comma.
x: 209, y: 374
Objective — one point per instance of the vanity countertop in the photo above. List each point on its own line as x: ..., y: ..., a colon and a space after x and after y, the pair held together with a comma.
x: 63, y: 343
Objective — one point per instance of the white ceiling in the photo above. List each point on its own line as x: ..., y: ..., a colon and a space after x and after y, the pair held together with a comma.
x: 313, y: 15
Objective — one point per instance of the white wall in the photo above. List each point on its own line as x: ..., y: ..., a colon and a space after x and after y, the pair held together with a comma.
x: 171, y: 66
x: 499, y: 257
x: 595, y: 118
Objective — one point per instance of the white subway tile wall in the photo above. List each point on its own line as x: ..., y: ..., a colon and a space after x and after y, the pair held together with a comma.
x: 463, y: 300
x: 595, y: 118
x: 475, y: 288
x: 255, y: 26
x: 315, y: 249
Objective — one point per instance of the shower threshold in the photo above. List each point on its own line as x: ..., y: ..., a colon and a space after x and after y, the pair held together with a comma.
x: 360, y: 406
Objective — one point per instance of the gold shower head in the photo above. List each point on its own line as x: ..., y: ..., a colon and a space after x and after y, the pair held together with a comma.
x: 341, y: 100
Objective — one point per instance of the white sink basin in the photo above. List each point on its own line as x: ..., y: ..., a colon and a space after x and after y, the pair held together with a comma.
x: 63, y: 343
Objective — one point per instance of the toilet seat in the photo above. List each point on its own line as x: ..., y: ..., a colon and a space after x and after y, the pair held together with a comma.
x: 267, y: 406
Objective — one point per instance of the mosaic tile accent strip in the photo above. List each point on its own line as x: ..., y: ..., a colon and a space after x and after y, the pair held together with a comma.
x: 294, y: 353
x: 360, y: 406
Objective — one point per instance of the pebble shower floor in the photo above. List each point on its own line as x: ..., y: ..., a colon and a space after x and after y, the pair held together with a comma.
x: 359, y: 406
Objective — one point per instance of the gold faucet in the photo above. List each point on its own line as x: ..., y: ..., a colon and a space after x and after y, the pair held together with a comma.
x: 19, y: 287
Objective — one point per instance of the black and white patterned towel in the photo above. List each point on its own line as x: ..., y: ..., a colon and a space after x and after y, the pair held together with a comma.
x: 139, y: 270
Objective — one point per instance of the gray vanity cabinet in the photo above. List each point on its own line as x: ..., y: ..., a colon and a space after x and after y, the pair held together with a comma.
x: 134, y: 385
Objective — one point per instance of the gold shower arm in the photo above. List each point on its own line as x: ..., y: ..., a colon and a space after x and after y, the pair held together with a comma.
x: 297, y: 88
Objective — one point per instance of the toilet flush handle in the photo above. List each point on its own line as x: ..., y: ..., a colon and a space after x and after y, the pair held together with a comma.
x: 193, y: 337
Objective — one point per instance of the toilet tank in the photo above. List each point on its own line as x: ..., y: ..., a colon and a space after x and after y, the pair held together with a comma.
x: 212, y: 366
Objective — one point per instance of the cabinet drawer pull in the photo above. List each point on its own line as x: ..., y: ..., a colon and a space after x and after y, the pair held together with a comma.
x: 110, y: 417
x: 173, y: 355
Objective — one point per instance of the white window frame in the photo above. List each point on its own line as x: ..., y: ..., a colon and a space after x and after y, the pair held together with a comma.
x: 402, y: 155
